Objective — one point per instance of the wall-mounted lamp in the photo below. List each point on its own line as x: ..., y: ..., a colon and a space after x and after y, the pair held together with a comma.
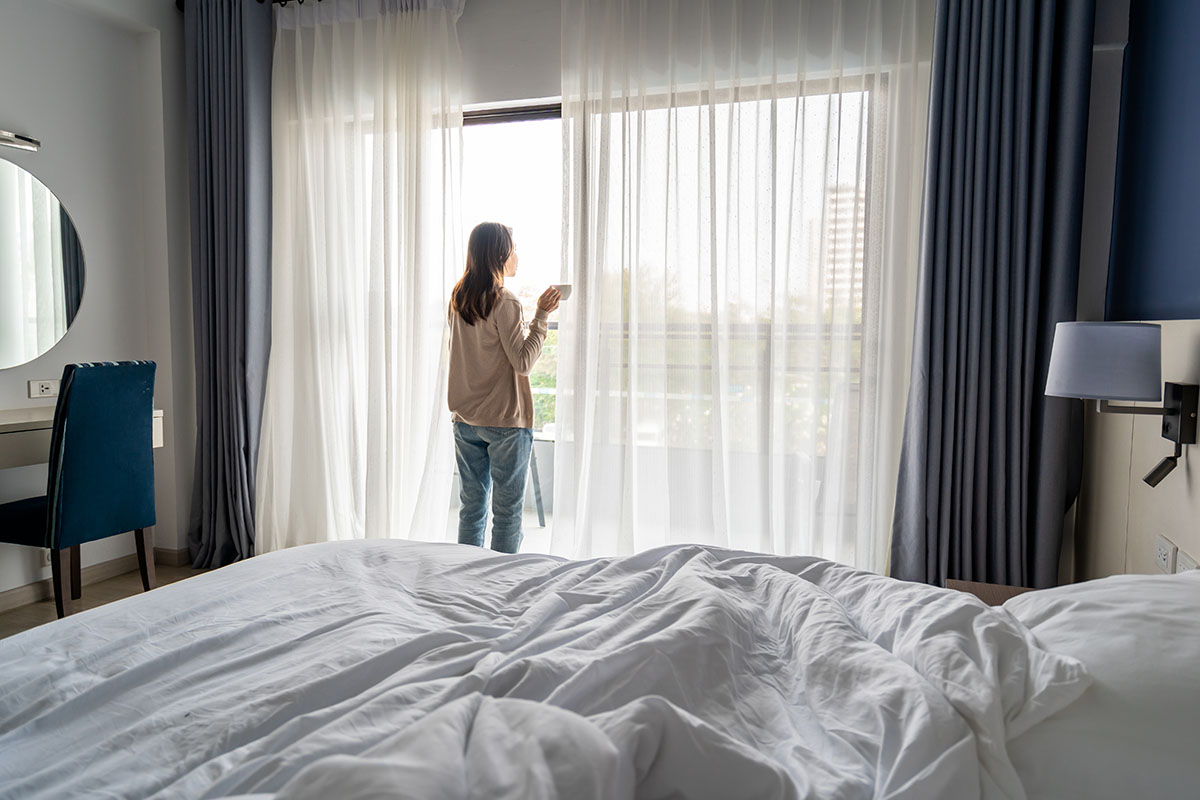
x: 18, y: 141
x: 1107, y: 361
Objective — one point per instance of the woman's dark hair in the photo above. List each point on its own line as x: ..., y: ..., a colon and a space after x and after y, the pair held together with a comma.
x: 475, y: 293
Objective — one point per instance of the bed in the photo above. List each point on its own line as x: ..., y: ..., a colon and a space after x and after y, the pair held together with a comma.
x: 400, y: 669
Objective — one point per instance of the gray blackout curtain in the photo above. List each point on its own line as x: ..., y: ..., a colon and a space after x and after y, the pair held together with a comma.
x: 989, y: 464
x: 72, y: 261
x: 228, y: 53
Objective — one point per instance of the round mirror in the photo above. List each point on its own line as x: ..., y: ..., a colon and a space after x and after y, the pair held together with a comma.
x: 41, y: 267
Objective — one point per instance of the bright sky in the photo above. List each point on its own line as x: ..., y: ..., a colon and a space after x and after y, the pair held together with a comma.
x: 512, y: 174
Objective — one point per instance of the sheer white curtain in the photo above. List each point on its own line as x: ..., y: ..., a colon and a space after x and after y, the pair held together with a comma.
x: 742, y: 207
x: 33, y: 314
x: 366, y: 136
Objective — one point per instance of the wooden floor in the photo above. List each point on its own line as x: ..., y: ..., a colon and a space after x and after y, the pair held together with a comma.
x: 94, y: 594
x: 537, y: 540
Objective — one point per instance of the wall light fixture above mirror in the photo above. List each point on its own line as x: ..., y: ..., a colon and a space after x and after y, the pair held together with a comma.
x: 41, y: 267
x: 19, y: 141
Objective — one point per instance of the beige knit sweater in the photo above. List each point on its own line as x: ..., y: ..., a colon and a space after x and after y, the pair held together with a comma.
x: 490, y: 363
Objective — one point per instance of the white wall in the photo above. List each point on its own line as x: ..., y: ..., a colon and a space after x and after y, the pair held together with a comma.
x: 101, y: 84
x: 511, y: 50
x: 1118, y: 516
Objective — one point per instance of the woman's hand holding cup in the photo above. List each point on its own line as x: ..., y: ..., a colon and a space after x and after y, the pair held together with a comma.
x: 549, y: 300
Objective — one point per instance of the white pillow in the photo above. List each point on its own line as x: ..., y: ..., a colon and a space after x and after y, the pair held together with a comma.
x: 1135, y: 733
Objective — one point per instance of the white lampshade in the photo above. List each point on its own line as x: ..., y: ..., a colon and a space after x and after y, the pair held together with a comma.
x: 1106, y: 361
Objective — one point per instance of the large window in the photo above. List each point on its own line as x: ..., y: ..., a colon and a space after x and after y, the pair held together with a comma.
x: 733, y: 286
x: 786, y: 256
x: 512, y: 174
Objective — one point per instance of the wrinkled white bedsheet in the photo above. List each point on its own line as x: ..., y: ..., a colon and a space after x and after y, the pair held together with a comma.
x: 399, y: 669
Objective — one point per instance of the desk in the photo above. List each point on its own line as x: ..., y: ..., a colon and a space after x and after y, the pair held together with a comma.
x: 25, y: 435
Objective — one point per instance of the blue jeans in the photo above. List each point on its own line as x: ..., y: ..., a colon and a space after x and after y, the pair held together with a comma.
x: 492, y: 460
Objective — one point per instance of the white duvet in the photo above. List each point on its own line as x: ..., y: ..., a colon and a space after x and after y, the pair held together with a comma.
x: 394, y: 669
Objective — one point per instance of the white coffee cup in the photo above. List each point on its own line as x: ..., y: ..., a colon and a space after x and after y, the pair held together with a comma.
x: 564, y: 289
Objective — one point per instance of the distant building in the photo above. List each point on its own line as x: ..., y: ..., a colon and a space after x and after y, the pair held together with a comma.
x: 843, y: 240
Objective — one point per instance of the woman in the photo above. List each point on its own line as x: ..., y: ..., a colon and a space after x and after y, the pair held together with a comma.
x: 490, y: 360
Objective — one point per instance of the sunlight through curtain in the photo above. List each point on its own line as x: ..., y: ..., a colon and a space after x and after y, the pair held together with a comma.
x: 367, y: 129
x: 742, y: 205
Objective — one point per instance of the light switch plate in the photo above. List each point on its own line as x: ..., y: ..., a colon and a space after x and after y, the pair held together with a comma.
x: 43, y: 389
x: 1164, y: 554
x: 1184, y: 562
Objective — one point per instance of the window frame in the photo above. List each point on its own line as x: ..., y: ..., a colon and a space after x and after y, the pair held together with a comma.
x: 493, y: 115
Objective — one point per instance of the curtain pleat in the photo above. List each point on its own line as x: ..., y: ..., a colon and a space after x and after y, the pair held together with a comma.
x: 990, y: 465
x: 227, y: 51
x: 72, y: 266
x: 741, y: 202
x: 367, y: 120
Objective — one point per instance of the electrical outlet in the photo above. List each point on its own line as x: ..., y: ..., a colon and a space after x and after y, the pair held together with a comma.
x: 46, y: 388
x: 1184, y: 562
x: 45, y: 557
x: 1164, y: 554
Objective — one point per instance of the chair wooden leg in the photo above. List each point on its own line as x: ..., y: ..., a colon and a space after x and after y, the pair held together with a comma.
x: 145, y: 550
x: 76, y: 583
x: 60, y: 569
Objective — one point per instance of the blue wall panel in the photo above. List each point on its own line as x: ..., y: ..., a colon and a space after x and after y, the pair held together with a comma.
x: 1154, y: 266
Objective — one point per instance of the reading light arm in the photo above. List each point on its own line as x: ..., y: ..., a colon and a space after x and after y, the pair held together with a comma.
x: 1178, y: 411
x: 1105, y: 407
x: 1179, y: 423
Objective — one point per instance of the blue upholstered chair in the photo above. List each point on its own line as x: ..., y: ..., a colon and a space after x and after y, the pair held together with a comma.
x: 101, y: 472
